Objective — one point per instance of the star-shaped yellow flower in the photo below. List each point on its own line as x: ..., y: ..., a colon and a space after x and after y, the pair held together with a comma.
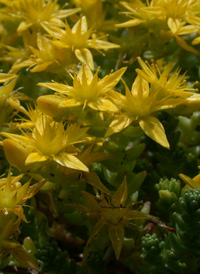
x: 9, y: 98
x: 78, y: 40
x: 139, y: 106
x: 49, y: 140
x: 162, y: 78
x: 13, y: 194
x: 87, y: 90
x: 173, y: 17
x: 38, y: 14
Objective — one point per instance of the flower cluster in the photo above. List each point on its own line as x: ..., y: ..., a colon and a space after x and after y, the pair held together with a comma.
x: 82, y: 110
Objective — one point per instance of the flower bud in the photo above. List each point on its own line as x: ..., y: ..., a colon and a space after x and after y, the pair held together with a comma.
x: 49, y: 105
x: 16, y: 154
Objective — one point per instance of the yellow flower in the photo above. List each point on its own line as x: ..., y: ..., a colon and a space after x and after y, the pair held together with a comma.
x: 49, y: 140
x: 164, y: 81
x: 46, y: 57
x: 139, y: 106
x: 165, y: 10
x: 184, y: 10
x: 37, y: 14
x: 9, y: 230
x: 12, y: 197
x: 180, y: 17
x: 13, y: 194
x: 18, y: 57
x: 33, y: 114
x: 78, y: 40
x: 140, y: 13
x: 9, y: 97
x: 88, y: 90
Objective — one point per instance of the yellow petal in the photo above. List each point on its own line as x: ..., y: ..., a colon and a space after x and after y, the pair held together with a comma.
x: 21, y: 192
x: 116, y: 234
x: 24, y: 26
x: 130, y: 23
x: 68, y: 103
x: 57, y: 87
x: 111, y: 80
x: 173, y: 24
x: 120, y: 196
x: 103, y: 105
x: 6, y: 77
x: 85, y: 56
x: 41, y: 67
x: 193, y: 183
x: 7, y: 89
x: 94, y: 180
x: 14, y: 103
x: 184, y: 45
x: 196, y: 41
x: 81, y: 26
x: 32, y: 190
x: 155, y: 130
x: 35, y: 157
x: 100, y: 44
x: 70, y: 161
x: 118, y: 124
x: 75, y: 134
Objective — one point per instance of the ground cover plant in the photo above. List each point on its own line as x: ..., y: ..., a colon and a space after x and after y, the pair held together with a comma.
x: 99, y: 136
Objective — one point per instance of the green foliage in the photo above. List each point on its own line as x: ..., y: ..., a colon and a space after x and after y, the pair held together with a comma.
x: 176, y: 252
x: 53, y: 260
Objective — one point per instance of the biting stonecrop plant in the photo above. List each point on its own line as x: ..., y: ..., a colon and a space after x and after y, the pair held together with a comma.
x: 99, y: 136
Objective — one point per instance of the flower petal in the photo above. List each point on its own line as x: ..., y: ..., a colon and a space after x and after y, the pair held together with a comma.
x: 130, y: 23
x: 111, y: 80
x: 85, y: 56
x: 103, y: 105
x: 116, y: 233
x: 118, y: 124
x: 189, y: 181
x: 35, y: 157
x: 155, y: 130
x: 68, y: 103
x: 41, y: 67
x: 120, y: 196
x: 61, y: 88
x: 94, y: 180
x: 70, y: 161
